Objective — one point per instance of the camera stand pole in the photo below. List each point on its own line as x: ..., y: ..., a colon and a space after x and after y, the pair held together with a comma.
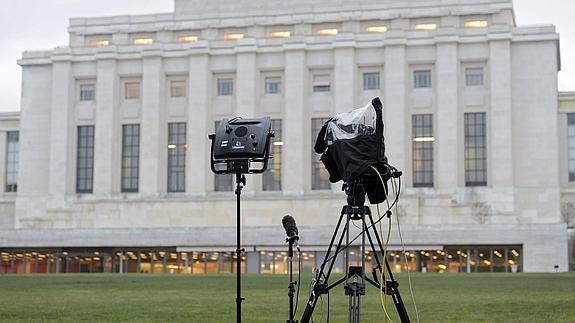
x: 292, y: 283
x: 240, y: 182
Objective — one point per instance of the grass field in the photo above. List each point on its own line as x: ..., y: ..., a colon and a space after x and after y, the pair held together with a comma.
x: 210, y: 298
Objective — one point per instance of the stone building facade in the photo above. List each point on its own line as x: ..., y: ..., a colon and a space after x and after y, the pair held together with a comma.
x: 114, y: 162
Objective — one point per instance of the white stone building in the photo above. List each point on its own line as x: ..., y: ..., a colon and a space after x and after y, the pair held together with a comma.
x: 114, y: 162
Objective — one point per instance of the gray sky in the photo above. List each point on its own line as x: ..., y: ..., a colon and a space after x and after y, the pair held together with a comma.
x: 42, y: 24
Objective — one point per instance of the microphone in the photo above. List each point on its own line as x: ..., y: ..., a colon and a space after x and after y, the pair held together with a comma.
x: 291, y: 229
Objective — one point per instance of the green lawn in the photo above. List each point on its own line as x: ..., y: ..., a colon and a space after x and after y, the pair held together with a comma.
x: 210, y: 298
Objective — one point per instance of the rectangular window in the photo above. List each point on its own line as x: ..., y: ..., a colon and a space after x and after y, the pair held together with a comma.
x: 12, y: 159
x: 177, y: 157
x: 422, y: 134
x: 273, y: 84
x: 222, y: 183
x: 87, y: 92
x: 571, y: 143
x: 225, y: 87
x: 132, y: 90
x: 475, y: 149
x: 272, y: 177
x: 85, y: 160
x: 130, y: 157
x: 371, y: 81
x: 422, y: 79
x: 319, y: 174
x: 321, y: 83
x: 474, y: 76
x: 178, y: 89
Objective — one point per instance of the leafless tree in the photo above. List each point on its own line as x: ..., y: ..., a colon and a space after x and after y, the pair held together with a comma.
x: 482, y: 211
x: 568, y: 213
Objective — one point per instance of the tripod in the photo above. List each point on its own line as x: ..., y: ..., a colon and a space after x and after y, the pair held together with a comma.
x: 240, y: 182
x: 355, y: 276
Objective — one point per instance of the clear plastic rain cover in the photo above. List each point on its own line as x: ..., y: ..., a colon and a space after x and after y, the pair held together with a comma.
x: 349, y: 125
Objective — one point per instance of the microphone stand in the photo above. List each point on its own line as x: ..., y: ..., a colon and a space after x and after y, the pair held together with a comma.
x: 291, y: 288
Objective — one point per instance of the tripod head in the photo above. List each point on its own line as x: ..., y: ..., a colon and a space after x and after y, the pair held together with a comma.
x: 355, y: 192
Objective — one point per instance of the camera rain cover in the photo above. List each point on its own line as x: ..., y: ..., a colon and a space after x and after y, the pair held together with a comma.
x: 352, y: 142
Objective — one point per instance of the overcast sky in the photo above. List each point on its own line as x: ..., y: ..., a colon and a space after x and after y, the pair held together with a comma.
x: 41, y: 24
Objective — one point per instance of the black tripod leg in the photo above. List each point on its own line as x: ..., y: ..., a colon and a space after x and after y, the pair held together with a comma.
x: 320, y: 286
x: 395, y: 295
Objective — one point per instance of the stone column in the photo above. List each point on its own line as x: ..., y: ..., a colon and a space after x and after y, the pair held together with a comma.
x: 245, y: 83
x: 62, y: 132
x: 153, y: 150
x: 500, y: 118
x: 199, y: 121
x: 3, y: 155
x: 447, y: 119
x: 397, y: 132
x: 295, y: 120
x: 345, y: 71
x: 107, y: 164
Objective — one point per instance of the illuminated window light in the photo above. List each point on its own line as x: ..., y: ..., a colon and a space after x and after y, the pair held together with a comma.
x: 426, y: 27
x: 327, y: 32
x: 171, y: 146
x: 281, y: 34
x: 99, y: 43
x: 143, y: 41
x: 376, y: 29
x: 278, y: 143
x: 476, y: 24
x: 424, y: 139
x: 233, y: 36
x: 187, y: 39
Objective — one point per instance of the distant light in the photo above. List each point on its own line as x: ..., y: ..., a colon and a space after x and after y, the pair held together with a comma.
x: 278, y: 143
x: 427, y: 27
x: 377, y: 29
x: 327, y: 32
x: 233, y: 36
x: 143, y: 41
x: 424, y: 139
x: 187, y: 39
x: 281, y: 34
x: 476, y: 24
x: 172, y: 146
x: 99, y: 43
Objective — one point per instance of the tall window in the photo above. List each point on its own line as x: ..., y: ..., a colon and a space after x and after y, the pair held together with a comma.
x: 422, y: 133
x: 87, y: 92
x: 85, y: 160
x: 178, y: 89
x: 475, y: 149
x: 177, y: 157
x: 321, y: 83
x: 273, y: 175
x: 422, y: 79
x: 222, y: 183
x: 319, y: 174
x: 474, y: 76
x: 12, y: 152
x: 371, y: 81
x: 225, y: 87
x: 571, y: 142
x: 130, y: 157
x: 273, y: 84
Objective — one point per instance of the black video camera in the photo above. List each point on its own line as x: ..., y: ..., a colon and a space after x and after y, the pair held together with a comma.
x: 351, y: 144
x: 241, y: 145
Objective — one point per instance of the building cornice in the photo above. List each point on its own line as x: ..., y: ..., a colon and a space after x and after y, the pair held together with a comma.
x: 296, y: 42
